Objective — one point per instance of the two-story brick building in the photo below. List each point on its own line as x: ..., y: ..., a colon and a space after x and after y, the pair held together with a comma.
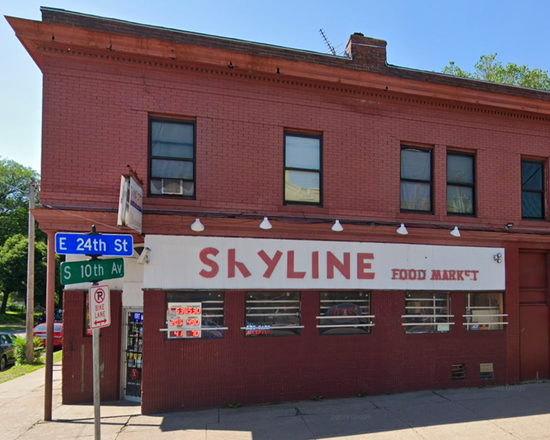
x: 316, y: 225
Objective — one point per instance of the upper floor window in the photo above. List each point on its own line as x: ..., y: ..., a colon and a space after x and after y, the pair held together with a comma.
x: 302, y: 168
x: 416, y: 179
x: 460, y: 184
x: 532, y: 189
x: 172, y: 161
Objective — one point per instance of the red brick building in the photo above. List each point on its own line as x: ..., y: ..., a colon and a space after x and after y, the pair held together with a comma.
x: 230, y: 132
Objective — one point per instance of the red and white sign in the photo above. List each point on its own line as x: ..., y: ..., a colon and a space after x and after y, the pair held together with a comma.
x: 246, y: 263
x: 100, y: 307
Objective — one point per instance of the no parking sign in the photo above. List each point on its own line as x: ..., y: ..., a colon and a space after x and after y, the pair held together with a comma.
x: 100, y: 307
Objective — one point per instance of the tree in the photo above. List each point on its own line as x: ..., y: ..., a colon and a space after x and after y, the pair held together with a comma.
x: 13, y: 269
x: 490, y: 68
x: 14, y: 199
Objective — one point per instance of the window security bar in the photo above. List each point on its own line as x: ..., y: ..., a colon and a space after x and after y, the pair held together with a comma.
x: 212, y: 302
x: 207, y: 309
x: 427, y: 323
x: 273, y: 314
x: 270, y: 308
x: 345, y: 317
x: 427, y: 316
x: 427, y: 299
x: 483, y: 323
x: 345, y: 325
x: 271, y: 300
x: 202, y: 328
x: 273, y: 327
x: 425, y: 307
x: 344, y: 300
x: 483, y: 316
x: 211, y: 316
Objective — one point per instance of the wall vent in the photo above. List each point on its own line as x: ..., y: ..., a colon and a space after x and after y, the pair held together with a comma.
x: 459, y: 372
x: 486, y: 372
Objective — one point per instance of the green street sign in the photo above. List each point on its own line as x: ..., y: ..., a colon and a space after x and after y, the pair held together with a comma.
x: 75, y: 272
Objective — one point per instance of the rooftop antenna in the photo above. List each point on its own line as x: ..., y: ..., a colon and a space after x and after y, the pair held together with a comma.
x: 330, y: 47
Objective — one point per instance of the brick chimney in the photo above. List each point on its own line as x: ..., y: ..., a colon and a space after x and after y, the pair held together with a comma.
x: 369, y: 53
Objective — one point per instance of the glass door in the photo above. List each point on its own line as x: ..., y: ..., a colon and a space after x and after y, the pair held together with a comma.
x: 133, y: 354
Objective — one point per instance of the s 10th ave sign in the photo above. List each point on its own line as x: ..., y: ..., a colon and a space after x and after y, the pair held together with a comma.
x: 67, y: 243
x: 75, y: 272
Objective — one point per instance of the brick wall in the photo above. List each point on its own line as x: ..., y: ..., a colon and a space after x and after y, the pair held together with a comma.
x: 77, y: 385
x: 189, y: 374
x: 96, y: 123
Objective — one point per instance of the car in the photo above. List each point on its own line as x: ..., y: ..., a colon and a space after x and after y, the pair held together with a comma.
x: 40, y: 332
x: 6, y: 351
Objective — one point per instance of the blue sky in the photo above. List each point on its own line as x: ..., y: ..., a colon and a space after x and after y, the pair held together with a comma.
x: 421, y: 34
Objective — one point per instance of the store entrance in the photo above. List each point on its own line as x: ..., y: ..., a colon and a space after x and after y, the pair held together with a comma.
x: 133, y: 343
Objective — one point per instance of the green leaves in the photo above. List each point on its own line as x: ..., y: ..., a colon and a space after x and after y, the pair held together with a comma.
x: 14, y: 197
x: 490, y: 68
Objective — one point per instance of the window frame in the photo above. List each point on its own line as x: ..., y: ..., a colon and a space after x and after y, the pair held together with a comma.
x: 324, y: 329
x: 192, y: 123
x: 463, y: 185
x: 468, y: 316
x: 430, y: 182
x: 296, y: 330
x: 433, y: 324
x: 542, y: 164
x: 308, y: 170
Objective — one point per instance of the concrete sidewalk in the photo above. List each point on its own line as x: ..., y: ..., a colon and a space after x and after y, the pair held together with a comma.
x: 500, y: 413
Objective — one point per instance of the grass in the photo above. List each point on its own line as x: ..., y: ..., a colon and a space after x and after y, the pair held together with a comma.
x: 14, y: 320
x: 21, y: 370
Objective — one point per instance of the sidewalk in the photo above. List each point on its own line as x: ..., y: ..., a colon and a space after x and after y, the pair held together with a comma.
x: 499, y: 413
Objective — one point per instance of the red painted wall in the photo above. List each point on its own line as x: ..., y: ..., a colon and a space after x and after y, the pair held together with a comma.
x: 190, y: 374
x: 77, y: 384
x: 96, y: 122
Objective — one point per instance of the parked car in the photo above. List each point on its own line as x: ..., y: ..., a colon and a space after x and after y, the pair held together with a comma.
x: 6, y: 351
x: 40, y: 332
x: 57, y: 317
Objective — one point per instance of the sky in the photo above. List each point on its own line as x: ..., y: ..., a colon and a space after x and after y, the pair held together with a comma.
x: 421, y: 34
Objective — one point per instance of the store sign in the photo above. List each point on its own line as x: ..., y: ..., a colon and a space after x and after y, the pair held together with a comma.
x: 184, y: 320
x: 130, y: 206
x: 241, y: 263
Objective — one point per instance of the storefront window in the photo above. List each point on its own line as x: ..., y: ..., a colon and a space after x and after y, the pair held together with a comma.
x: 484, y: 311
x: 272, y: 314
x: 427, y: 312
x: 195, y: 315
x: 344, y: 313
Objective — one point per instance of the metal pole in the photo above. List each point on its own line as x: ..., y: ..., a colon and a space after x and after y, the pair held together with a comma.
x: 97, y: 383
x: 97, y: 377
x: 30, y: 278
x: 50, y: 304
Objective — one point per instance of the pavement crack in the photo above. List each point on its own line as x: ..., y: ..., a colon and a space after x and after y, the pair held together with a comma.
x: 300, y: 414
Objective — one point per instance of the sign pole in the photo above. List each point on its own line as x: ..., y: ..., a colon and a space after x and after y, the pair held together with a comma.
x: 97, y: 389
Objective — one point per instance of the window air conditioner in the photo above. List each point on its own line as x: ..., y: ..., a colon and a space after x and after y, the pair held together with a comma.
x: 172, y: 186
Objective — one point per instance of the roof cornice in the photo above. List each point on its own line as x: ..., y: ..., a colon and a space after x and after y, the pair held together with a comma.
x: 42, y: 39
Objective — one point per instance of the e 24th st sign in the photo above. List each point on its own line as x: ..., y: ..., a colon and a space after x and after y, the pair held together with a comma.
x: 87, y: 244
x: 100, y: 307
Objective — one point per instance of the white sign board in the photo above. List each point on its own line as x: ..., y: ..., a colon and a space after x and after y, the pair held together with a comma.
x: 130, y: 207
x: 245, y: 263
x: 184, y: 320
x: 100, y: 307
